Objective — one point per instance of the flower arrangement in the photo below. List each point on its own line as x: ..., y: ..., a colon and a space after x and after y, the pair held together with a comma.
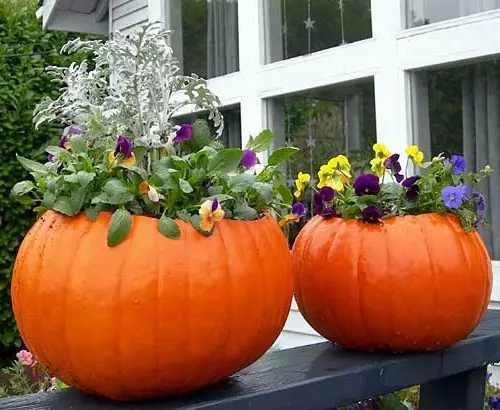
x: 122, y: 152
x: 443, y: 186
x: 26, y: 375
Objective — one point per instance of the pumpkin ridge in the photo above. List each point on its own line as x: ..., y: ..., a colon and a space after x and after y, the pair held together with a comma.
x: 362, y: 315
x: 41, y: 353
x: 422, y: 226
x: 156, y: 331
x: 335, y: 239
x: 18, y: 268
x: 69, y: 272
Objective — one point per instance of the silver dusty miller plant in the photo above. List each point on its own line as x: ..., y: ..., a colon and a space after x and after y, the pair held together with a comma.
x: 131, y: 88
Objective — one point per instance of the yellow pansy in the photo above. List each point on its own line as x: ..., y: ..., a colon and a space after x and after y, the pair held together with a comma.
x: 340, y: 162
x: 210, y: 212
x: 301, y: 182
x: 378, y: 167
x: 114, y: 160
x: 415, y: 154
x: 153, y: 194
x: 381, y: 151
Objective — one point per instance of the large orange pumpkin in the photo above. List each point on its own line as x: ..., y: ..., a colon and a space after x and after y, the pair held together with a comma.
x: 152, y: 316
x: 413, y: 283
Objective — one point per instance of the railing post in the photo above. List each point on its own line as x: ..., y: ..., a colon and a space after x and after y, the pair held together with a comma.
x: 464, y: 391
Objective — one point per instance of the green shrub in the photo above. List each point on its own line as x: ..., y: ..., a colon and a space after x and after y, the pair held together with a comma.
x: 25, y: 51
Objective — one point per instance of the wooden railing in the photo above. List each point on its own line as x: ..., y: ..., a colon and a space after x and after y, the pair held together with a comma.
x: 323, y: 377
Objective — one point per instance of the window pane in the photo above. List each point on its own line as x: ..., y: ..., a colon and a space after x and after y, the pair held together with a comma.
x: 298, y: 27
x: 231, y: 136
x: 421, y: 12
x: 456, y: 111
x: 205, y: 37
x: 324, y: 123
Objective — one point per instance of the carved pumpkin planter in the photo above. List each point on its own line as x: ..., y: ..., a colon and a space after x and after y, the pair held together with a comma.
x: 153, y: 316
x: 413, y: 283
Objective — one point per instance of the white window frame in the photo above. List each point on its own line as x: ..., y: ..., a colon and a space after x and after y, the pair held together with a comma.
x: 388, y: 57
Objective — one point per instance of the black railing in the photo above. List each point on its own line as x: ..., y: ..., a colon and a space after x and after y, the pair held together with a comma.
x: 322, y: 377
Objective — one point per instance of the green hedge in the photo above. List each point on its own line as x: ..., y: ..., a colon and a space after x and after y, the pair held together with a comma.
x: 25, y: 50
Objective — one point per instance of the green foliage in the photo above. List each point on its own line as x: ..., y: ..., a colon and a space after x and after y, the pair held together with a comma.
x: 175, y: 183
x: 23, y: 82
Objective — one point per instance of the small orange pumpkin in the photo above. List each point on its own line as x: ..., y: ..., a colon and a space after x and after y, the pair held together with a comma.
x: 414, y: 283
x: 153, y: 316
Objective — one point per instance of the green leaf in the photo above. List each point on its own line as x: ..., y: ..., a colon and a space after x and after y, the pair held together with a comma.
x: 185, y: 186
x: 55, y: 150
x: 119, y: 227
x: 261, y: 142
x: 281, y: 155
x: 85, y: 178
x: 226, y: 160
x: 32, y: 166
x: 195, y: 221
x: 138, y: 170
x: 284, y: 191
x: 77, y: 199
x: 243, y: 211
x: 49, y: 199
x: 391, y: 402
x: 240, y: 182
x: 22, y: 188
x: 92, y: 213
x: 63, y: 205
x: 215, y: 189
x: 116, y: 192
x: 220, y: 197
x: 264, y: 190
x: 168, y: 227
x: 77, y: 144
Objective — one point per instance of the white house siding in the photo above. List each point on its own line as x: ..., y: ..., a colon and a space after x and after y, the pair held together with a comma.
x: 126, y: 14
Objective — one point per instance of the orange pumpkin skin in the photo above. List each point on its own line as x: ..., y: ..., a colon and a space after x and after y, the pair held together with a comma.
x: 152, y: 316
x: 414, y: 283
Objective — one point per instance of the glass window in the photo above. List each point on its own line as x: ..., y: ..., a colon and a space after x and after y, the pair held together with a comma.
x: 324, y: 123
x: 205, y: 36
x: 231, y: 136
x: 299, y: 27
x: 421, y: 12
x: 457, y: 111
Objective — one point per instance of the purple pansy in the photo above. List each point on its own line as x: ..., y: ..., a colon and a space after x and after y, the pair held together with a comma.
x: 412, y: 190
x: 72, y: 131
x: 494, y: 402
x: 215, y: 205
x: 392, y: 164
x: 452, y: 197
x: 184, y: 133
x: 371, y: 214
x: 321, y: 199
x: 458, y: 164
x: 479, y: 220
x: 124, y: 147
x: 299, y: 209
x: 249, y: 159
x: 467, y: 191
x: 479, y: 200
x: 367, y: 184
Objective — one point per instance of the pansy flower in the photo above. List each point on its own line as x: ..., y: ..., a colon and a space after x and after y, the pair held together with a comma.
x: 64, y: 140
x: 210, y: 212
x: 366, y: 184
x: 381, y: 151
x: 452, y: 197
x: 393, y: 165
x: 298, y: 211
x: 494, y: 402
x: 371, y: 214
x: 412, y: 189
x: 184, y: 133
x: 415, y: 155
x: 153, y: 194
x: 301, y: 182
x: 123, y: 151
x: 458, y: 164
x: 335, y: 173
x: 249, y: 159
x: 322, y: 199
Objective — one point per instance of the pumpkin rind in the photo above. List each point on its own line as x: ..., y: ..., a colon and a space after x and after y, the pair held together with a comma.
x: 414, y: 283
x: 153, y: 316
